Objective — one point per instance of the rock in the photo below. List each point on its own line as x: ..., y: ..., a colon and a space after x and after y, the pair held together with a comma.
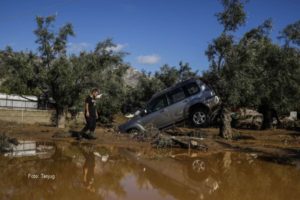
x: 131, y: 77
x: 293, y: 115
x: 290, y: 123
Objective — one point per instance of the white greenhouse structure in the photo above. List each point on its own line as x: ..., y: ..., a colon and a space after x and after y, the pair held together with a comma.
x: 20, y: 102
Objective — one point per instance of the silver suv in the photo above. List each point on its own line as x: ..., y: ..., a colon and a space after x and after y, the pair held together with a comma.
x: 190, y: 100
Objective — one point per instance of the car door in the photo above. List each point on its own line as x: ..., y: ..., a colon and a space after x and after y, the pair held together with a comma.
x: 177, y: 102
x: 158, y: 114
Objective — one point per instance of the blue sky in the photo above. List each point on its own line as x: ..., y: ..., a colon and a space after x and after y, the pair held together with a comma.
x: 154, y: 32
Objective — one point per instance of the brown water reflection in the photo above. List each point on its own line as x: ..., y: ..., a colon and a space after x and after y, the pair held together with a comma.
x: 84, y: 171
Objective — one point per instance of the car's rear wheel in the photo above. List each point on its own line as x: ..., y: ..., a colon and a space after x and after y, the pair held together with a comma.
x: 199, y: 117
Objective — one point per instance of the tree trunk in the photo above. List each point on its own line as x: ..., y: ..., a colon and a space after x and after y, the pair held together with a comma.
x: 267, y: 119
x: 61, y: 118
x: 225, y: 124
x: 266, y: 111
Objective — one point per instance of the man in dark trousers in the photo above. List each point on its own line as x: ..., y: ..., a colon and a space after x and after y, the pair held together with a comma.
x: 91, y: 115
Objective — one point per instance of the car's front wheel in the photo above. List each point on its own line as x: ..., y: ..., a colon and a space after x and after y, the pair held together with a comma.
x: 199, y: 117
x: 133, y: 131
x: 137, y: 134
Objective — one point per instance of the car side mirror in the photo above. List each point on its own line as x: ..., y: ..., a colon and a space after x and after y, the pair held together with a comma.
x: 138, y: 112
x: 144, y: 112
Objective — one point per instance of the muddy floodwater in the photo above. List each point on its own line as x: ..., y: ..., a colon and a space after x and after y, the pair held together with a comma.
x: 61, y: 170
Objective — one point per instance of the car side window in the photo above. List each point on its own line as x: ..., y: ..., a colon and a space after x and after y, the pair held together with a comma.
x: 192, y: 89
x: 176, y: 95
x: 157, y: 104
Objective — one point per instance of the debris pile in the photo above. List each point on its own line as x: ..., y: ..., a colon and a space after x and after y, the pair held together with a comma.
x: 172, y: 138
x: 247, y: 118
x: 6, y: 143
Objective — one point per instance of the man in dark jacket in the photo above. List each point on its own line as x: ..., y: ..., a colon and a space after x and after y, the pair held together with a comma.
x: 91, y: 115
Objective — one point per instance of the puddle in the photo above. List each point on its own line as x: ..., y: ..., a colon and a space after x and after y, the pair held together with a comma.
x: 29, y: 148
x: 47, y: 170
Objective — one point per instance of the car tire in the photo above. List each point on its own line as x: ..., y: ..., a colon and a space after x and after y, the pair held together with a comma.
x: 199, y: 117
x: 133, y: 131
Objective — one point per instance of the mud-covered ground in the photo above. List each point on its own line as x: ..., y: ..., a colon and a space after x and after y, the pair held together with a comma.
x: 54, y: 165
x: 278, y: 143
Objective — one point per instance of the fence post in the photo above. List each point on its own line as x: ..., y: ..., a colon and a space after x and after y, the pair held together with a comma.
x: 22, y: 116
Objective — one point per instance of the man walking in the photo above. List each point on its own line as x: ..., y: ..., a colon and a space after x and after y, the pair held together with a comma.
x: 91, y: 115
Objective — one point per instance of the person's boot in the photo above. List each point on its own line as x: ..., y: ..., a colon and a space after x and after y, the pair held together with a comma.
x: 85, y: 134
x: 79, y: 136
x: 92, y: 136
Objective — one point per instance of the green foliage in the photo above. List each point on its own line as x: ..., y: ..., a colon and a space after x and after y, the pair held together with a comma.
x: 54, y: 73
x: 171, y: 75
x: 19, y: 72
x: 167, y: 75
x: 102, y: 68
x: 233, y: 14
x: 51, y: 74
x: 137, y: 97
x: 186, y: 72
x: 219, y: 50
x: 291, y: 33
x: 243, y: 71
x: 251, y: 70
x: 108, y: 76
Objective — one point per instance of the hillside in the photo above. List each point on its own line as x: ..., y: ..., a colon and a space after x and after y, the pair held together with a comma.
x: 131, y: 76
